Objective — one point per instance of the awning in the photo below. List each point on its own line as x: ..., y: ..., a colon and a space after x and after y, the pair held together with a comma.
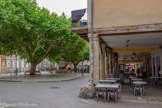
x: 77, y: 15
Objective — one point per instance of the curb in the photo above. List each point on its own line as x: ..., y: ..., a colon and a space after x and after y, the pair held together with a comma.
x: 9, y: 81
x: 62, y: 80
x: 44, y: 81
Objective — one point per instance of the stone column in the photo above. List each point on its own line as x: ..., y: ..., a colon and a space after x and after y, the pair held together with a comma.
x: 161, y: 61
x: 110, y: 65
x: 102, y: 62
x: 153, y: 63
x: 102, y: 67
x: 111, y: 62
x: 95, y: 57
x: 106, y: 66
x: 156, y: 67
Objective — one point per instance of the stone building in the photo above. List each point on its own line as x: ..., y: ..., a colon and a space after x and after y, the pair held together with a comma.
x: 8, y: 64
x: 121, y: 29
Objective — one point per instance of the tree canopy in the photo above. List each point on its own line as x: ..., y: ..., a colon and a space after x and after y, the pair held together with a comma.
x: 34, y: 34
x: 76, y: 50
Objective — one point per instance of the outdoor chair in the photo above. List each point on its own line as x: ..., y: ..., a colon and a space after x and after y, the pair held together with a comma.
x: 119, y: 90
x: 155, y: 81
x: 138, y: 88
x: 160, y: 81
x: 102, y: 93
x: 112, y: 94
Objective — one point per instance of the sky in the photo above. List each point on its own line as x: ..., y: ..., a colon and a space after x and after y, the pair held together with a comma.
x: 60, y: 6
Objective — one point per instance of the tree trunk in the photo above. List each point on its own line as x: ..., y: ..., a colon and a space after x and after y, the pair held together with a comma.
x: 75, y: 68
x: 33, y: 69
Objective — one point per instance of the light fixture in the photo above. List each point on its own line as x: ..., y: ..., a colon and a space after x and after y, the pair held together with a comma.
x: 125, y: 59
x: 127, y: 43
x: 134, y: 55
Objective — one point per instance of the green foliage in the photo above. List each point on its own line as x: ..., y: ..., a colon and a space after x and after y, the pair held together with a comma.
x: 76, y: 49
x: 31, y: 31
x: 34, y: 34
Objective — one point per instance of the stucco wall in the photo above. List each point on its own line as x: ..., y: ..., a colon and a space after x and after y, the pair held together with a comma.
x: 112, y: 13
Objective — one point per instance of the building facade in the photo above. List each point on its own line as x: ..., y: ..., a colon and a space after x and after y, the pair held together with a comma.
x: 8, y: 64
x: 120, y: 29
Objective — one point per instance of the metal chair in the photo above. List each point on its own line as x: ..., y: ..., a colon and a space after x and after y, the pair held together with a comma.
x: 155, y: 81
x: 101, y: 92
x: 112, y: 93
x: 119, y: 90
x: 138, y: 88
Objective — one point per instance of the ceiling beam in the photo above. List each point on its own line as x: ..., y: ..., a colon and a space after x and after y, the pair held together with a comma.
x: 143, y: 49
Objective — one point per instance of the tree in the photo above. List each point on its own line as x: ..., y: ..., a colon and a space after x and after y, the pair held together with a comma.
x: 75, y: 50
x: 31, y: 31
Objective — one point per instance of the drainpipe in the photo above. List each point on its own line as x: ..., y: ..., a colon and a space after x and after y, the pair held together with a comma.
x: 92, y: 81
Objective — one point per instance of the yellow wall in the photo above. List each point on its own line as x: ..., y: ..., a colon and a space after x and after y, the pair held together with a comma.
x: 112, y: 13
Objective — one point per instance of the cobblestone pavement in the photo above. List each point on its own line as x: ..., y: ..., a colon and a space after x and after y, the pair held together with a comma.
x: 56, y: 95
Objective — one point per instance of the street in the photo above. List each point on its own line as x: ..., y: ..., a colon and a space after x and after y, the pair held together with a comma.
x: 56, y: 95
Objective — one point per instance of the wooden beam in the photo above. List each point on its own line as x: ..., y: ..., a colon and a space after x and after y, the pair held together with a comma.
x: 127, y: 30
x: 129, y: 61
x: 143, y: 49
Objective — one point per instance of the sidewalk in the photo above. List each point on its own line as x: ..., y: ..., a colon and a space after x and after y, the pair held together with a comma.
x: 44, y: 77
x: 152, y: 95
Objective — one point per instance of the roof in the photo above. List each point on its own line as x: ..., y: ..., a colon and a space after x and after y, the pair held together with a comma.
x: 81, y: 31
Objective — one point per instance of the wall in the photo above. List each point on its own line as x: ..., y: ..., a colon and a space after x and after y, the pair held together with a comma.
x: 112, y: 13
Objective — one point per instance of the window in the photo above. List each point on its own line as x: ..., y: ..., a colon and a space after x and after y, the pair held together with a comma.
x: 40, y: 65
x: 25, y: 64
x: 11, y: 63
x: 22, y: 64
x: 29, y: 65
x: 55, y: 64
x: 18, y: 64
x: 44, y: 64
x: 8, y: 63
x: 47, y: 65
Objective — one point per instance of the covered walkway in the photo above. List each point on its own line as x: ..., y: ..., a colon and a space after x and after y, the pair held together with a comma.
x: 152, y: 94
x: 139, y: 45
